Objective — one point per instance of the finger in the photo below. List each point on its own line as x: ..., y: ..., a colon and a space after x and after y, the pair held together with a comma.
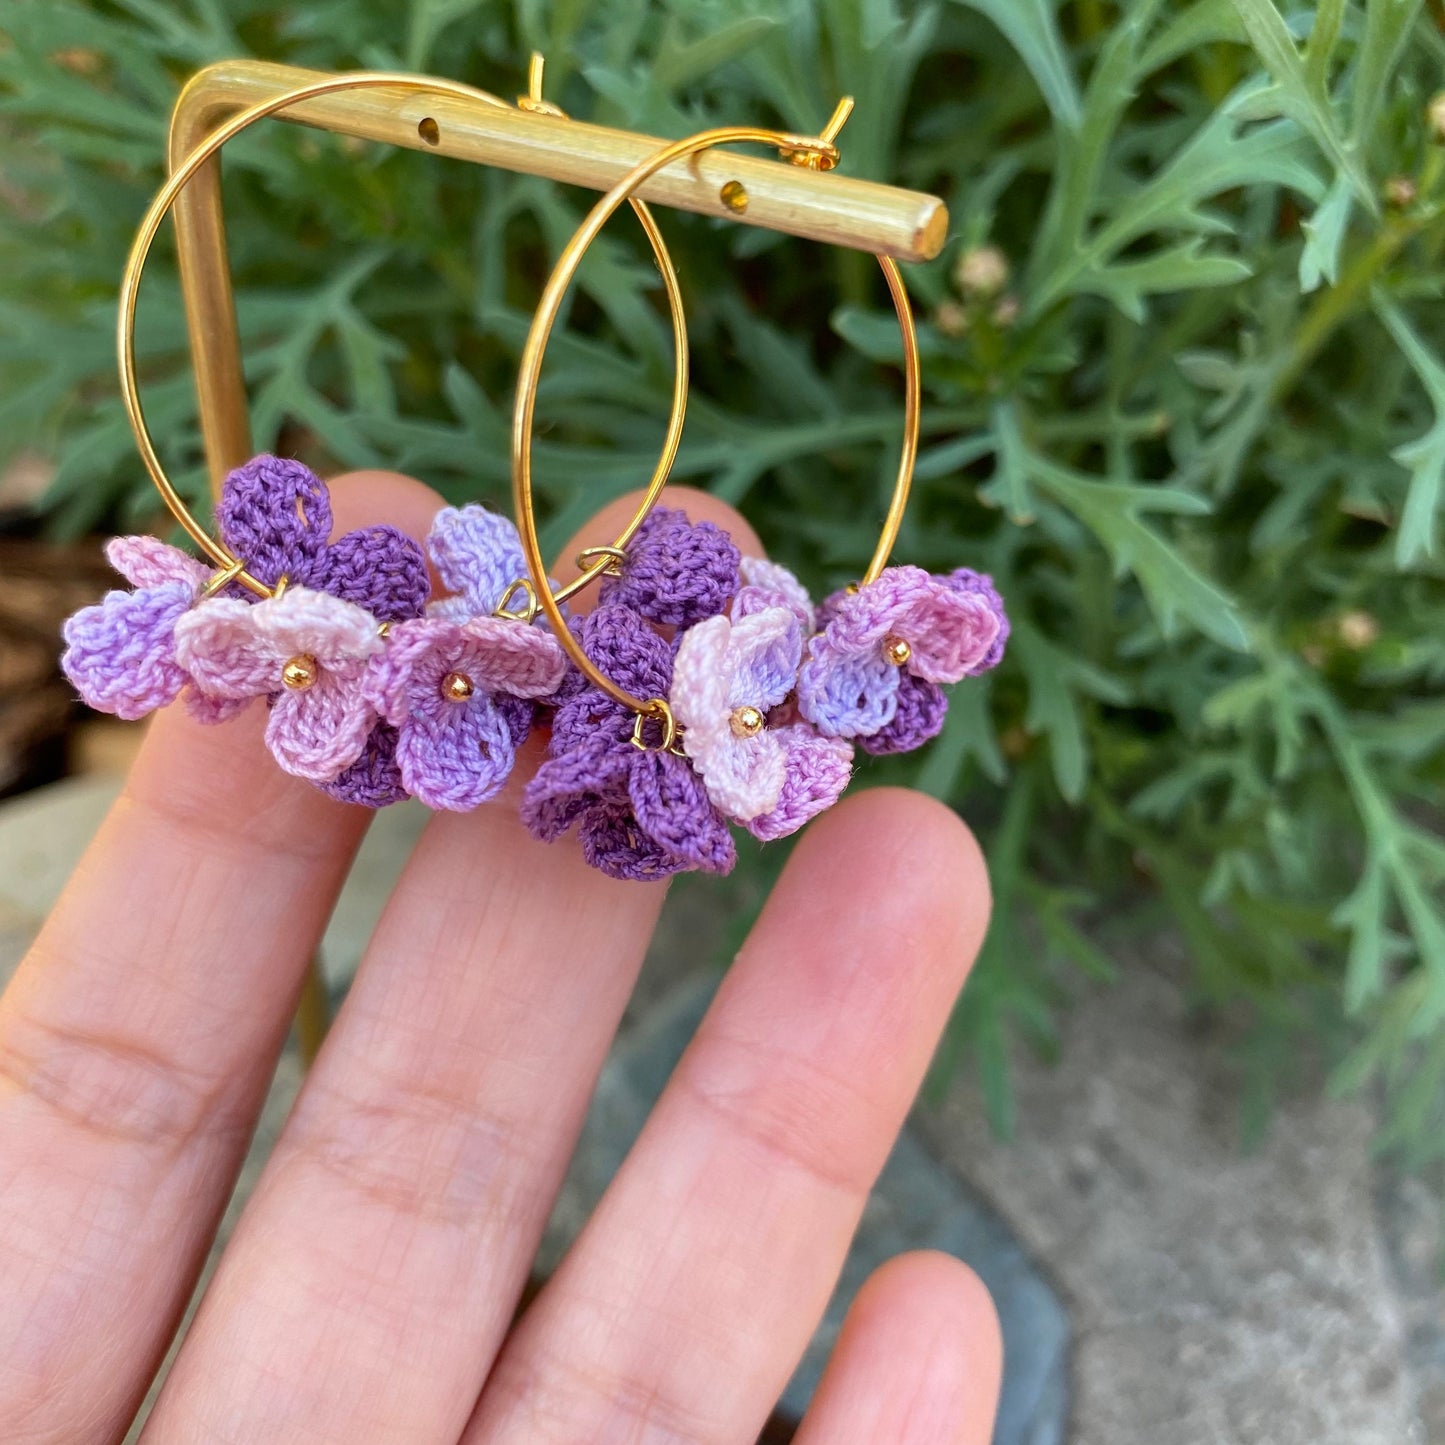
x: 136, y: 1043
x: 918, y: 1361
x: 379, y: 1263
x: 692, y: 1291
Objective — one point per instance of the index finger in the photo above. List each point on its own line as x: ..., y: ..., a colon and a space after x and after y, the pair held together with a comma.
x: 137, y: 1040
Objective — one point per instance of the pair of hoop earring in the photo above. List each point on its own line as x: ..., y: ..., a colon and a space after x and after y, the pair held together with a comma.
x: 703, y: 690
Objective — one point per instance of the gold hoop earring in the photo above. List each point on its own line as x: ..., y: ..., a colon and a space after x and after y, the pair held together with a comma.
x: 234, y: 568
x: 819, y: 153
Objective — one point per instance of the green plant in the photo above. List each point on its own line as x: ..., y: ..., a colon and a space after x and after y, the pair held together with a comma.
x: 1187, y: 403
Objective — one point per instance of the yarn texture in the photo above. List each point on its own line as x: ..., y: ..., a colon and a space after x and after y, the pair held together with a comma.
x: 677, y: 572
x: 236, y: 650
x: 638, y: 815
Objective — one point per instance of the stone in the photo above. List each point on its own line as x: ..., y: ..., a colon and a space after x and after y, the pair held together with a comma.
x: 1218, y: 1297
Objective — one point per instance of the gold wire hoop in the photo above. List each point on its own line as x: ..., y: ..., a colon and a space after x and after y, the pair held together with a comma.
x: 815, y: 153
x: 233, y: 568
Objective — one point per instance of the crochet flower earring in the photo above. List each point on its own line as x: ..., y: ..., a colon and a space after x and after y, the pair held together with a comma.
x: 707, y: 690
x: 370, y: 695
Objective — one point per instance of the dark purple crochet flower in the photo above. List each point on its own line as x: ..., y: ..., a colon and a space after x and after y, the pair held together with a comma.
x: 677, y: 572
x: 275, y: 515
x: 639, y: 815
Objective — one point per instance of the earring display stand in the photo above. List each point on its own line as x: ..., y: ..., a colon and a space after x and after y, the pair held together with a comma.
x: 801, y: 197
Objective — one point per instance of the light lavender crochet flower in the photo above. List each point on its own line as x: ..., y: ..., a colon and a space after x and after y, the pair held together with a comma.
x: 120, y: 654
x: 458, y: 684
x: 458, y: 694
x: 770, y: 584
x: 727, y: 677
x: 306, y: 650
x: 908, y: 624
x: 816, y: 774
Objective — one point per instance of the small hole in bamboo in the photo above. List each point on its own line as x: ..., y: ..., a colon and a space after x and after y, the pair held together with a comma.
x: 734, y: 195
x: 430, y: 131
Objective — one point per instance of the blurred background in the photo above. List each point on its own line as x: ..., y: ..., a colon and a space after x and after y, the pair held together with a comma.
x: 1185, y: 400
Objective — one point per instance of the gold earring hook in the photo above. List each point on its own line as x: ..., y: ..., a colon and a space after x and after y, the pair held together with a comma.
x: 545, y: 318
x: 231, y: 567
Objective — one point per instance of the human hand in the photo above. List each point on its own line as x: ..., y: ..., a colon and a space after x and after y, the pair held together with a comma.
x: 369, y: 1292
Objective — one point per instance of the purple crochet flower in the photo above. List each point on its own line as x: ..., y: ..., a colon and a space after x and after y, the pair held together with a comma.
x: 441, y: 685
x: 307, y: 650
x: 639, y: 815
x: 727, y: 678
x: 275, y: 515
x: 677, y: 572
x: 906, y: 624
x: 120, y: 654
x: 458, y: 684
x: 816, y: 774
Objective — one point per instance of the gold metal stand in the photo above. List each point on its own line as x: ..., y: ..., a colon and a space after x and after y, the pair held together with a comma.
x: 796, y: 199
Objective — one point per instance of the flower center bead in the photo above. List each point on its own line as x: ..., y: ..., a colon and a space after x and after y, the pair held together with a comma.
x: 300, y: 672
x: 897, y: 651
x: 746, y: 722
x: 457, y: 687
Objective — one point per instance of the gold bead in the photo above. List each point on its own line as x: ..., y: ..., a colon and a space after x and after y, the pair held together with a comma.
x: 897, y: 651
x: 747, y: 722
x: 300, y: 672
x: 457, y: 687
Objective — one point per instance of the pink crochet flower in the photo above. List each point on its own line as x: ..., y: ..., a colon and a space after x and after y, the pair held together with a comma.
x: 907, y: 624
x: 121, y: 653
x: 306, y: 650
x: 728, y: 676
x: 458, y: 694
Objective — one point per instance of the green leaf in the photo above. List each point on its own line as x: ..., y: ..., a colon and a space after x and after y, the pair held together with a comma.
x: 1030, y: 27
x: 1425, y: 456
x: 1325, y: 236
x: 1301, y: 94
x: 679, y: 62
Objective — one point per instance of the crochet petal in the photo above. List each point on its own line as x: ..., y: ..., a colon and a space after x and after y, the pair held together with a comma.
x: 410, y: 648
x: 846, y: 695
x: 980, y: 584
x: 744, y: 777
x: 569, y: 785
x: 818, y: 770
x: 950, y: 633
x: 702, y: 681
x: 320, y: 732
x: 455, y: 756
x: 275, y: 514
x: 618, y: 639
x: 615, y: 844
x: 148, y: 562
x: 338, y: 634
x: 219, y: 646
x: 765, y: 651
x: 859, y: 622
x: 477, y: 554
x: 373, y: 780
x: 504, y: 656
x: 922, y: 708
x: 677, y: 573
x: 673, y: 809
x: 769, y: 584
x: 120, y: 654
x: 378, y: 568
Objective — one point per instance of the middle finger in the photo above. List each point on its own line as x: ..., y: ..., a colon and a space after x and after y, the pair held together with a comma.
x: 376, y: 1269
